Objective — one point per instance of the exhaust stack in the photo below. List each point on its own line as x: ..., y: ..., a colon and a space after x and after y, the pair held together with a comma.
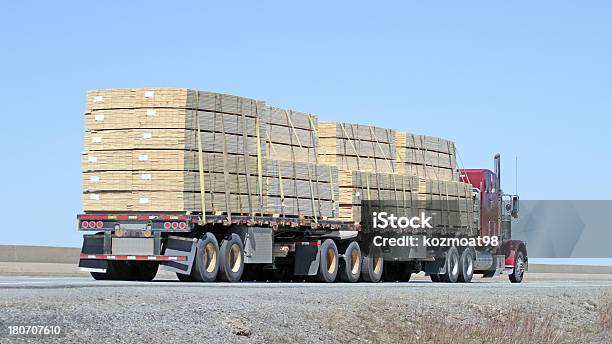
x: 498, y: 170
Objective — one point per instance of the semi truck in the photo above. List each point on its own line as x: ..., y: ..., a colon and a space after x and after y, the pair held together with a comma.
x: 210, y: 247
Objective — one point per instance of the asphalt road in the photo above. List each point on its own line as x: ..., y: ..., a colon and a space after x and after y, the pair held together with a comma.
x: 559, y: 306
x: 538, y: 281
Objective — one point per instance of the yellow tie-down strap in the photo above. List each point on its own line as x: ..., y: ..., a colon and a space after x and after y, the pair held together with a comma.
x: 200, y: 162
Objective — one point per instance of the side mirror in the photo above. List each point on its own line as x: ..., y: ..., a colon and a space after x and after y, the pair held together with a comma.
x: 515, y: 207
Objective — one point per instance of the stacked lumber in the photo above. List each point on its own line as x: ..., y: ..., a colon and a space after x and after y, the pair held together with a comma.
x: 187, y: 151
x: 449, y: 203
x: 141, y: 154
x: 425, y: 156
x: 357, y: 147
x: 291, y: 135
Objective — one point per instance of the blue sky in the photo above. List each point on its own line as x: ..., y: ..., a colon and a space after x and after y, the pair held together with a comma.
x: 525, y: 79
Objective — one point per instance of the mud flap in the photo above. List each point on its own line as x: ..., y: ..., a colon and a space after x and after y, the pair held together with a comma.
x: 306, y: 259
x: 93, y: 244
x: 179, y: 246
x: 93, y: 265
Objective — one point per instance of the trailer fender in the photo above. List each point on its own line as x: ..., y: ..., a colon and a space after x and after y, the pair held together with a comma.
x: 179, y: 246
x: 306, y: 260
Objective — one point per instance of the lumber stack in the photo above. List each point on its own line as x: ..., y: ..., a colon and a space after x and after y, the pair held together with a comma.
x: 357, y: 147
x: 187, y: 151
x: 426, y: 156
x: 141, y: 154
x: 449, y: 203
x: 290, y: 135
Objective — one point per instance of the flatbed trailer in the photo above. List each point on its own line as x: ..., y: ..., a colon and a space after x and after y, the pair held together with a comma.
x: 235, y: 247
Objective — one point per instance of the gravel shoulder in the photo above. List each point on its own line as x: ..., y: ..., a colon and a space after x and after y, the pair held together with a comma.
x: 555, y: 312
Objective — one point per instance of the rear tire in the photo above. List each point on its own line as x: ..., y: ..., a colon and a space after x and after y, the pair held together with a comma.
x: 404, y: 273
x: 350, y: 269
x: 519, y: 268
x: 328, y: 262
x: 372, y: 265
x: 206, y: 262
x: 184, y: 278
x: 144, y: 271
x: 391, y: 272
x: 99, y: 276
x: 115, y: 271
x: 231, y: 262
x: 452, y: 266
x: 466, y: 266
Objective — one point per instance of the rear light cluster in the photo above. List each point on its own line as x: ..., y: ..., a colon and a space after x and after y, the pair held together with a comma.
x: 92, y: 224
x: 175, y: 225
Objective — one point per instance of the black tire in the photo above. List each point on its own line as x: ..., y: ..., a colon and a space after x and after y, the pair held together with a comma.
x: 404, y: 273
x: 99, y: 276
x: 466, y: 266
x: 231, y: 259
x: 350, y: 268
x: 115, y: 271
x: 144, y: 271
x: 519, y: 268
x: 452, y: 266
x: 372, y: 265
x: 206, y: 264
x: 253, y: 272
x: 328, y: 262
x: 391, y: 272
x: 184, y: 278
x: 435, y: 278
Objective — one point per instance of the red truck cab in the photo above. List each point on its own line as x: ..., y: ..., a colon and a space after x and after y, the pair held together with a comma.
x: 496, y: 211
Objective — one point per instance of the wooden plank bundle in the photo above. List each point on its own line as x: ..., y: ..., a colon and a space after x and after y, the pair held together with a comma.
x: 142, y: 154
x: 357, y: 147
x: 291, y: 135
x: 157, y: 149
x: 426, y: 156
x: 449, y: 203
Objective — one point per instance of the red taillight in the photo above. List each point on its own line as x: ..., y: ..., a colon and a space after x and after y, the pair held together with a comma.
x: 182, y: 225
x: 174, y: 225
x: 167, y: 225
x: 84, y: 224
x: 99, y: 224
x: 92, y: 224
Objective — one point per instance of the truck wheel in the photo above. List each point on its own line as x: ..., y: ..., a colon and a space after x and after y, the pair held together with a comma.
x: 519, y: 268
x: 396, y: 272
x: 231, y: 262
x: 350, y: 269
x: 99, y: 276
x: 145, y: 271
x: 328, y: 262
x: 206, y: 262
x: 253, y: 272
x: 466, y: 266
x: 118, y: 271
x: 184, y: 278
x: 405, y: 273
x: 435, y: 278
x: 391, y: 272
x: 452, y: 266
x: 372, y: 265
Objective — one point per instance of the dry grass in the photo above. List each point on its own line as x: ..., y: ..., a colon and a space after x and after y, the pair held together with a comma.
x: 391, y: 327
x: 604, y: 313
